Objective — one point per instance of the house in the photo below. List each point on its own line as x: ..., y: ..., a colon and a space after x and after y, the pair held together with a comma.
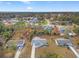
x: 39, y: 42
x: 56, y: 30
x: 33, y: 20
x: 67, y: 43
x: 62, y: 30
x: 70, y: 32
x: 48, y: 28
x: 9, y: 21
x: 62, y: 22
x: 63, y: 42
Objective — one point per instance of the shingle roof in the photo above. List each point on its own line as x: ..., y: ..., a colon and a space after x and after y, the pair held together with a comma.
x: 39, y: 42
x: 62, y: 41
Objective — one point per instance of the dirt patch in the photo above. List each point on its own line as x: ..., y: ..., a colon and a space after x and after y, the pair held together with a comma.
x: 53, y: 48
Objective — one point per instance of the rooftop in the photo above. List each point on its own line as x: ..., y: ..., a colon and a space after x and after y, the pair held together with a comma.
x: 39, y: 42
x: 63, y: 42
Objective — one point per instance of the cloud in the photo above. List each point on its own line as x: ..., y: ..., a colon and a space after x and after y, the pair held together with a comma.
x: 8, y: 3
x: 1, y: 2
x: 26, y: 2
x: 29, y: 8
x: 4, y: 2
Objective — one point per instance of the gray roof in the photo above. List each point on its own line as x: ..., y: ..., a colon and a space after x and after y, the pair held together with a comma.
x: 62, y: 41
x: 39, y: 42
x: 34, y: 20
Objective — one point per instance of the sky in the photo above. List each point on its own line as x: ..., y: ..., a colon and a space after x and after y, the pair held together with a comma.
x: 38, y: 6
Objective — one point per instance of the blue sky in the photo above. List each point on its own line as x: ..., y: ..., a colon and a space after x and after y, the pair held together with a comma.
x: 38, y: 6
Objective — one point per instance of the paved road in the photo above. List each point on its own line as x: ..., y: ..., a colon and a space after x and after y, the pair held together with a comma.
x: 74, y: 51
x: 33, y: 51
x: 20, y: 46
x: 17, y: 53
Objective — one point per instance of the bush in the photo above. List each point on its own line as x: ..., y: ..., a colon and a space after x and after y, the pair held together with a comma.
x: 52, y: 55
x: 66, y: 36
x: 76, y: 30
x: 77, y: 43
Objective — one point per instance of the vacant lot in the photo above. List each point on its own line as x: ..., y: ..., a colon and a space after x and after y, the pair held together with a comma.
x: 53, y: 48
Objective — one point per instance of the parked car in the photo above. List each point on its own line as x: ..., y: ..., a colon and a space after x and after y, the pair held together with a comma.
x: 21, y: 44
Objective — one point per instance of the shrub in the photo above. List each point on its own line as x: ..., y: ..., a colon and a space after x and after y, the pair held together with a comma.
x: 53, y: 55
x: 76, y: 30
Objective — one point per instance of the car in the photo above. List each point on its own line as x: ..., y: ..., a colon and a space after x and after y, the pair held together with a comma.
x: 71, y: 34
x: 21, y: 44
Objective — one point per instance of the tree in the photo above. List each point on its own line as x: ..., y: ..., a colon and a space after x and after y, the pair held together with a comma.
x: 76, y: 30
x: 2, y: 27
x: 43, y: 22
x: 6, y: 32
x: 6, y: 35
x: 32, y: 34
x: 19, y: 25
x: 75, y: 18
